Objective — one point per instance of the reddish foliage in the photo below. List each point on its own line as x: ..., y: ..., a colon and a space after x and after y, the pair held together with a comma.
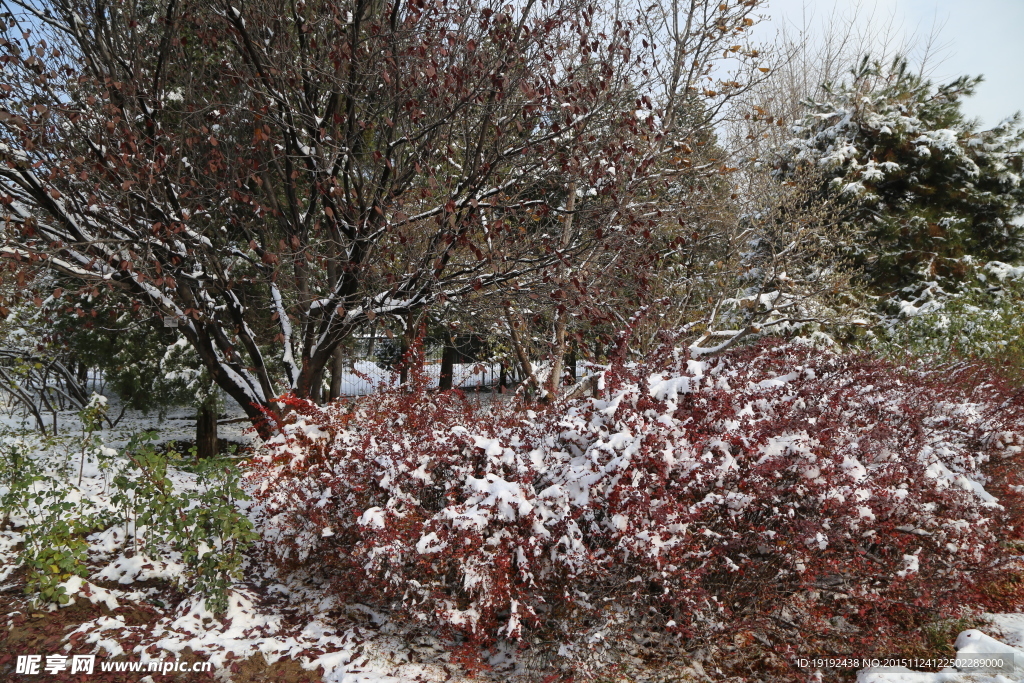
x: 777, y: 486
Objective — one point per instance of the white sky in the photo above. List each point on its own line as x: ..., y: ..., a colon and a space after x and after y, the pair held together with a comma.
x: 980, y: 37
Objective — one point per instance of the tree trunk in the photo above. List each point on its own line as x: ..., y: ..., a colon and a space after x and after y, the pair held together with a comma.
x: 337, y: 372
x: 403, y: 366
x: 316, y: 388
x: 529, y: 379
x: 206, y: 432
x: 554, y: 383
x: 447, y: 364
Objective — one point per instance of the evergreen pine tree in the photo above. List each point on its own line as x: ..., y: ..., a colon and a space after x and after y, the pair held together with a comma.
x: 927, y: 193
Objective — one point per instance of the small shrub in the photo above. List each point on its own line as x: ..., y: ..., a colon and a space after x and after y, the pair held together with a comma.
x: 53, y: 518
x: 55, y: 550
x: 91, y: 416
x: 983, y: 323
x: 776, y: 487
x: 223, y: 533
x: 201, y: 527
x: 17, y: 474
x: 204, y: 525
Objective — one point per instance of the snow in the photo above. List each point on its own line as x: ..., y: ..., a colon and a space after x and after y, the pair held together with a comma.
x: 547, y: 483
x: 365, y: 377
x: 320, y: 632
x: 288, y: 355
x: 976, y: 651
x: 1004, y: 271
x: 76, y: 585
x: 509, y: 501
x: 373, y: 517
x: 127, y: 570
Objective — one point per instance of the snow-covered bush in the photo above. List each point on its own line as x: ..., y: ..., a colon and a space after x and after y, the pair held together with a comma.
x: 785, y: 483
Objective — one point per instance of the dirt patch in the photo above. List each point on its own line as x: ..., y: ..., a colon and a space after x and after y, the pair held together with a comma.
x: 40, y: 632
x: 256, y: 670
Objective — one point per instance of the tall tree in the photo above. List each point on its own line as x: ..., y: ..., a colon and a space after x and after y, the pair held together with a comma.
x: 327, y: 161
x: 929, y: 190
x: 277, y: 174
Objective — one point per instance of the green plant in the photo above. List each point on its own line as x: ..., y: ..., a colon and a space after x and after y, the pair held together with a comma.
x: 55, y: 550
x: 17, y: 473
x: 204, y: 526
x: 939, y: 636
x: 92, y: 416
x: 224, y: 533
x: 142, y: 492
x: 926, y: 193
x: 981, y: 323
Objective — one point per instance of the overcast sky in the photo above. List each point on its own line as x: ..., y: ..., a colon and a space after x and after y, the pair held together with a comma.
x: 981, y: 37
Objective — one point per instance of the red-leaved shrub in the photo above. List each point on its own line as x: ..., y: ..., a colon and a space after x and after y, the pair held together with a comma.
x: 779, y: 484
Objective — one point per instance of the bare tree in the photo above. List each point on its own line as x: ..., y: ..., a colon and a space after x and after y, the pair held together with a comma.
x: 786, y: 272
x: 704, y: 63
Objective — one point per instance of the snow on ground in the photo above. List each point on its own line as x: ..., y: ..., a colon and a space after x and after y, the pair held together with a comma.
x: 980, y: 657
x: 276, y: 617
x: 346, y: 653
x: 366, y: 377
x: 177, y: 424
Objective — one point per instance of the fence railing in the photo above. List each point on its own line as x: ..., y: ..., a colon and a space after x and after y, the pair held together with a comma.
x: 362, y: 376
